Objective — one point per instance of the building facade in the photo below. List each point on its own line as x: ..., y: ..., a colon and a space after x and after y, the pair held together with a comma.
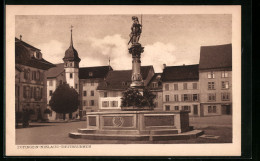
x: 181, y: 89
x: 215, y: 73
x: 155, y: 87
x: 30, y: 80
x: 111, y: 90
x: 89, y: 80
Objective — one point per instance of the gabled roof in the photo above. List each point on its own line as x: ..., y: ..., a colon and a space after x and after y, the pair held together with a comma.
x: 180, y: 73
x: 55, y: 71
x: 213, y: 57
x: 97, y: 72
x: 121, y: 79
x: 157, y: 77
x: 23, y: 52
x: 25, y: 44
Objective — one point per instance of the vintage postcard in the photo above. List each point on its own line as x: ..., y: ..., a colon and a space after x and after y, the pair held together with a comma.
x: 123, y: 80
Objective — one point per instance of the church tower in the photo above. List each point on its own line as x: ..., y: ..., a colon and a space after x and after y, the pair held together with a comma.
x: 71, y: 65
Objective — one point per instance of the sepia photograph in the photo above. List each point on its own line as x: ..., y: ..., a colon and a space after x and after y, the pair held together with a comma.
x: 127, y: 77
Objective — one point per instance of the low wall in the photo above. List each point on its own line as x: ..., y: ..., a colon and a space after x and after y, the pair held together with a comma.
x: 138, y: 120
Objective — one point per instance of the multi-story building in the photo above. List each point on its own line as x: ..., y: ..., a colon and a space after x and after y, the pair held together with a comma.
x: 89, y: 79
x: 30, y: 79
x: 111, y: 90
x: 84, y: 80
x: 155, y: 86
x: 181, y: 88
x: 215, y: 73
x: 55, y: 77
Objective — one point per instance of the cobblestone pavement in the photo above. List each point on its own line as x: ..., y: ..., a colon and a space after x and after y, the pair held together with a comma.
x: 57, y: 133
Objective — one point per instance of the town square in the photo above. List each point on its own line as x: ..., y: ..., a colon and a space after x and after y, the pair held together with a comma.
x: 129, y: 79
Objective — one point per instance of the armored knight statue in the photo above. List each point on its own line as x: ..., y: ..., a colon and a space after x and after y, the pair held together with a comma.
x: 136, y: 31
x: 135, y: 50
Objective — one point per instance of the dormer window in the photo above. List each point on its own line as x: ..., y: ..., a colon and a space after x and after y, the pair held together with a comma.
x: 37, y: 55
x: 90, y: 74
x: 158, y: 77
x: 154, y: 84
x: 123, y: 83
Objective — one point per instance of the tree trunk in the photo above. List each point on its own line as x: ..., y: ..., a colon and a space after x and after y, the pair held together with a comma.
x: 64, y: 116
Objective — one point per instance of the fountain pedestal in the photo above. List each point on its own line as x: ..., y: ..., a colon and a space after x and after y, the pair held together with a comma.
x: 137, y: 125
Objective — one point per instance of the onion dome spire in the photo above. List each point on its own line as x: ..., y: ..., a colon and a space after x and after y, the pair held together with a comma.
x: 71, y: 54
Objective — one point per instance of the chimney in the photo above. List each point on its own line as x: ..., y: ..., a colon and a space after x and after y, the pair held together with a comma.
x: 21, y: 37
x: 164, y: 66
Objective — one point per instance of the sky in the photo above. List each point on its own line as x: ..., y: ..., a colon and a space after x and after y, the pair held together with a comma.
x: 167, y: 39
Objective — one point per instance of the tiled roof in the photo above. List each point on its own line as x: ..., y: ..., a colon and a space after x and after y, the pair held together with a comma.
x: 213, y: 57
x: 22, y: 56
x: 121, y: 79
x: 71, y: 54
x: 25, y: 44
x: 55, y: 71
x: 97, y: 72
x: 180, y: 73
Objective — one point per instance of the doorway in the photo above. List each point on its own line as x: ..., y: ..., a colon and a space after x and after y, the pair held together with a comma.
x: 195, y: 109
x: 226, y: 109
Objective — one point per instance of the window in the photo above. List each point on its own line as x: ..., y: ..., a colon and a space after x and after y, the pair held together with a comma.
x: 26, y: 92
x: 37, y: 93
x: 92, y: 93
x: 76, y: 86
x: 185, y: 86
x: 38, y: 73
x: 194, y: 85
x: 32, y: 94
x: 225, y: 84
x: 92, y: 102
x: 176, y: 98
x: 50, y: 93
x: 186, y: 108
x: 187, y: 97
x: 225, y: 96
x: 211, y: 97
x: 211, y: 85
x: 176, y: 108
x: 114, y: 103
x: 211, y: 75
x: 27, y: 74
x: 167, y: 108
x: 84, y: 103
x: 195, y: 97
x: 166, y: 87
x: 167, y: 98
x: 84, y: 93
x: 105, y: 103
x: 224, y: 74
x: 212, y: 109
x: 154, y: 84
x: 92, y: 83
x: 71, y: 76
x: 175, y: 86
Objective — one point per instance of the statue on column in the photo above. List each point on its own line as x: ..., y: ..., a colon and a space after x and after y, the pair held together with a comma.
x: 136, y: 31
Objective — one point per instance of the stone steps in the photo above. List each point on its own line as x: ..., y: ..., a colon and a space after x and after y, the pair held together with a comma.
x: 152, y: 132
x: 138, y: 137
